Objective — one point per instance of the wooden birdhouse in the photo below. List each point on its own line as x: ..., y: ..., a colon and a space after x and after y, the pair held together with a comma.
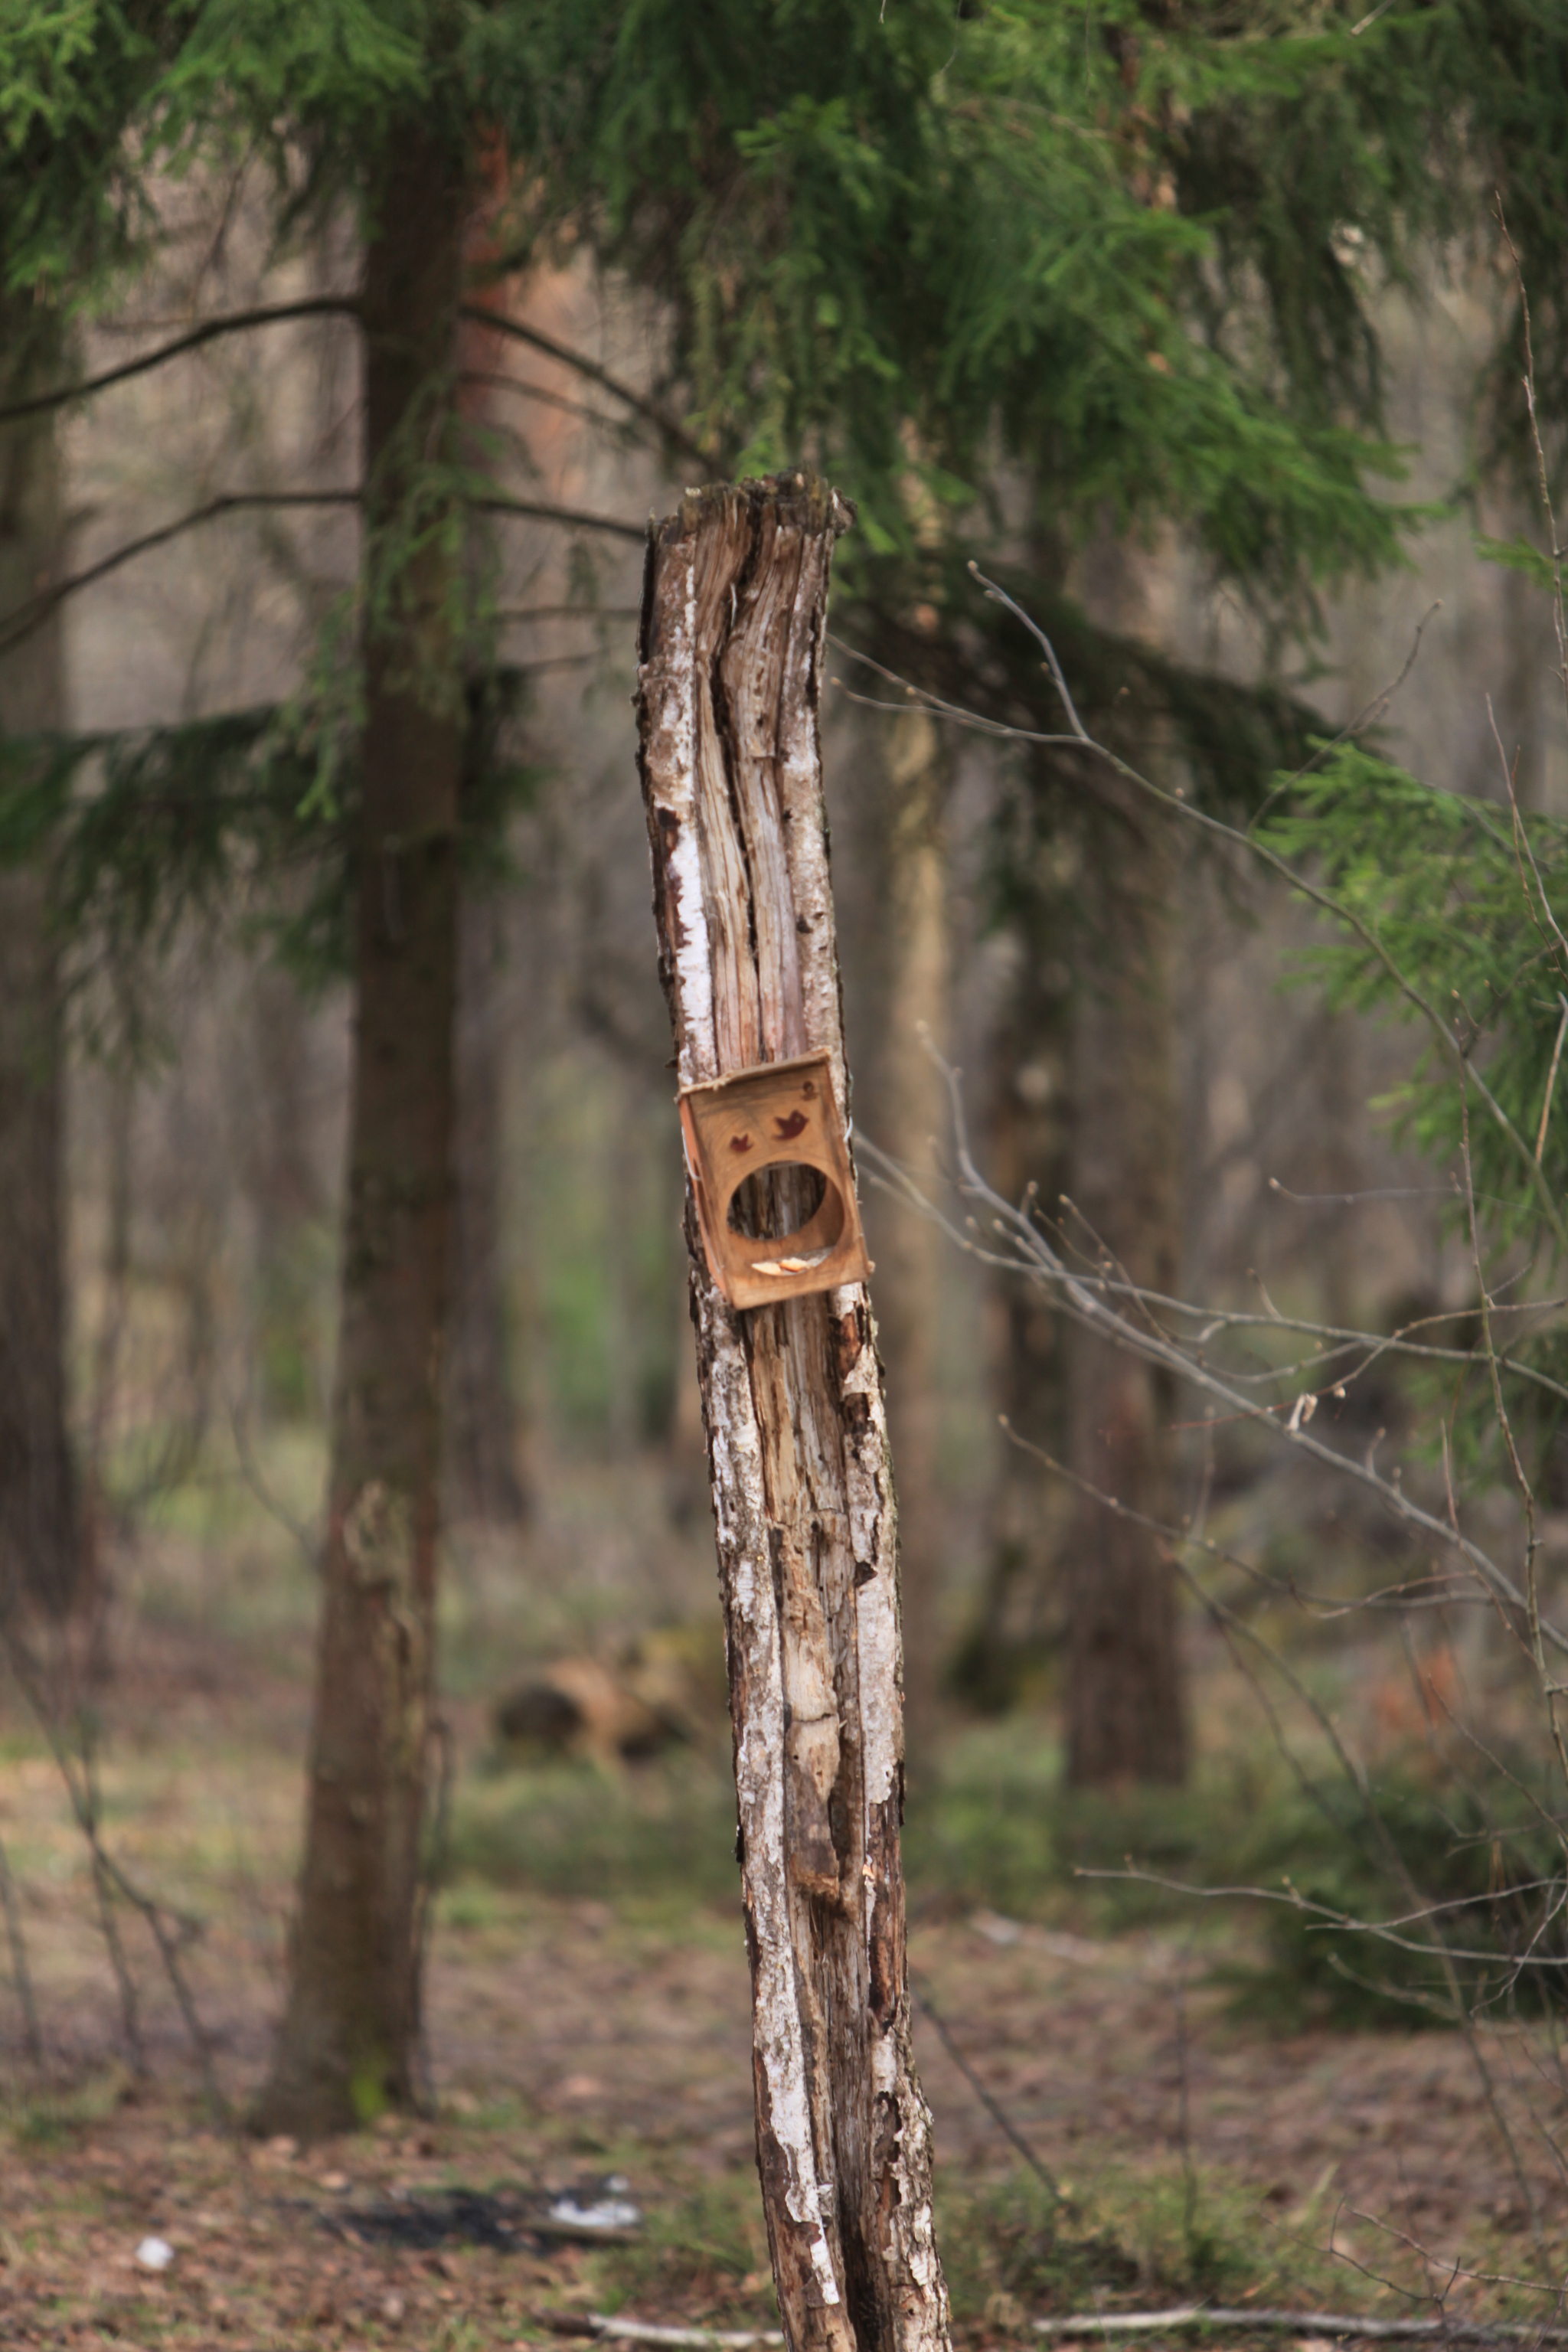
x: 778, y: 1115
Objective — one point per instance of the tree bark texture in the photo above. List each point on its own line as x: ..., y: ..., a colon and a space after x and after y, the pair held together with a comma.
x: 41, y: 1552
x: 734, y: 614
x: 914, y: 1111
x: 1125, y: 1694
x: 350, y: 2036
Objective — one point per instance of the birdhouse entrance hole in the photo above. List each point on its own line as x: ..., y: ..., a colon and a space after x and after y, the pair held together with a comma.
x: 775, y: 1193
x: 778, y: 1203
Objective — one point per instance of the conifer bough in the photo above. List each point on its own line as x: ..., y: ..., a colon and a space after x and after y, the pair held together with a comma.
x: 734, y: 607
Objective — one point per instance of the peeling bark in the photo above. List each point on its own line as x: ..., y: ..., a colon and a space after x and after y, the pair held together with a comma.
x: 734, y: 614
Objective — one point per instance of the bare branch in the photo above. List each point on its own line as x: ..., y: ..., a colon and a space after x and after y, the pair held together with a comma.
x: 1176, y: 800
x: 573, y: 518
x: 235, y: 322
x: 1376, y: 709
x: 992, y: 2106
x: 494, y: 381
x: 1339, y: 1341
x: 21, y: 623
x: 111, y: 1881
x: 676, y: 435
x: 17, y: 626
x: 1085, y: 1301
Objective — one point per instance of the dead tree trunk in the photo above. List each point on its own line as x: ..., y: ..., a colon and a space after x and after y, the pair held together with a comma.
x: 733, y: 612
x: 351, y: 2027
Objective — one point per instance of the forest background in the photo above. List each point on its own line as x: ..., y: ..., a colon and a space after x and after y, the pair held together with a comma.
x: 1221, y: 372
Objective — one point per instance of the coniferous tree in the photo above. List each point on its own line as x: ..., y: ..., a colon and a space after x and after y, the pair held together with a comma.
x: 886, y: 241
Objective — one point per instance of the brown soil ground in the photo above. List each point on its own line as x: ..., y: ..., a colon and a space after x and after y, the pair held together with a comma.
x: 573, y: 2039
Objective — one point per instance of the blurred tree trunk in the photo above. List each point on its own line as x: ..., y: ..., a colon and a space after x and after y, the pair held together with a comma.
x: 1015, y: 1621
x: 480, y: 1453
x: 1126, y: 1702
x: 349, y: 2042
x: 912, y: 1112
x: 41, y: 1549
x: 732, y: 620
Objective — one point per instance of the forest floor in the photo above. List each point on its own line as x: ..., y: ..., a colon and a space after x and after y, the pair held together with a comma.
x: 581, y: 2031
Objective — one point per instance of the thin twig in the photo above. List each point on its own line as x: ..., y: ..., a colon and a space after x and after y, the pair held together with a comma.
x: 993, y: 2108
x: 112, y: 1882
x: 1080, y: 1300
x: 888, y: 1175
x: 1453, y: 1044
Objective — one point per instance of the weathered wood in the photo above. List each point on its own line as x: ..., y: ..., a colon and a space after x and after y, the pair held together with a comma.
x: 734, y: 614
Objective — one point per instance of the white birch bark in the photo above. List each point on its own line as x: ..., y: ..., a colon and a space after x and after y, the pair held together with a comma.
x: 733, y: 614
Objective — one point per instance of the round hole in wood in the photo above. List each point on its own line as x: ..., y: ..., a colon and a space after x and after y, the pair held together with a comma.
x: 787, y: 1202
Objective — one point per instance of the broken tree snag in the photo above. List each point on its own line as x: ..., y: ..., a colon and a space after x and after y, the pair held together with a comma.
x: 734, y: 607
